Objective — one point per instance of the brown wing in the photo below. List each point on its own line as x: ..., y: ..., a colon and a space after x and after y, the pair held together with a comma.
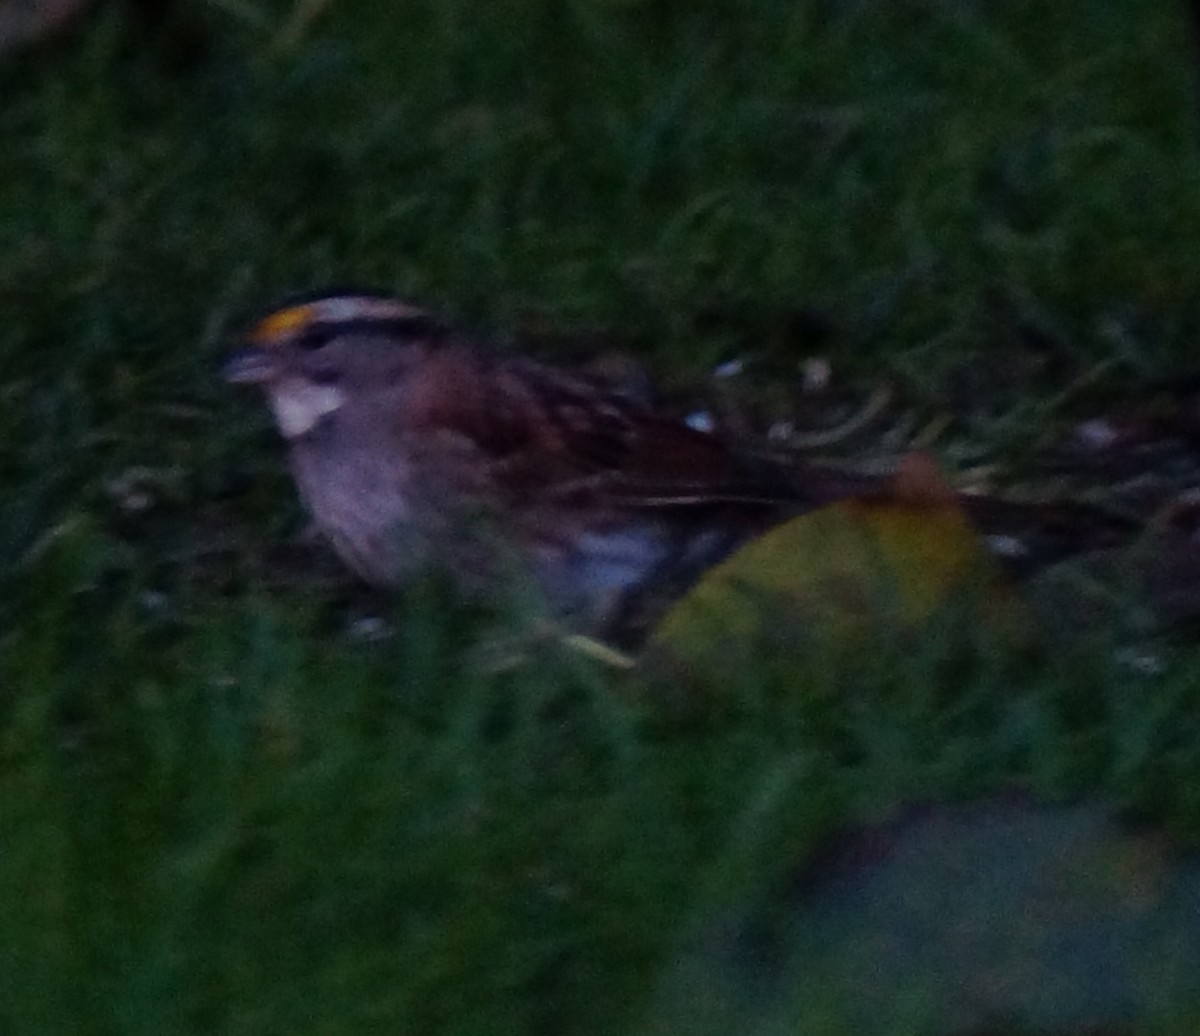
x: 545, y: 433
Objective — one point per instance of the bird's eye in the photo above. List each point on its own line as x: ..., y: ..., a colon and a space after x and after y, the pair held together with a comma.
x: 315, y: 337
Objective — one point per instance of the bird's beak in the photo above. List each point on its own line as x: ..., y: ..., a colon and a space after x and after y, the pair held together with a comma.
x: 250, y: 366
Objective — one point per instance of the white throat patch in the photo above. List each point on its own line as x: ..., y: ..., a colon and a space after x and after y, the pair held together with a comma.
x: 299, y: 405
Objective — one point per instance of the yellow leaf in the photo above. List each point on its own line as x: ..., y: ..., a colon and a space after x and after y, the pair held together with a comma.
x: 830, y: 578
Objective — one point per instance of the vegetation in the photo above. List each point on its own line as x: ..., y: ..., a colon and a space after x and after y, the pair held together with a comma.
x: 232, y: 802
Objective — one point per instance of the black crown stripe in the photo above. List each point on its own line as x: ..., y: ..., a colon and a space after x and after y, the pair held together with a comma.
x: 320, y: 332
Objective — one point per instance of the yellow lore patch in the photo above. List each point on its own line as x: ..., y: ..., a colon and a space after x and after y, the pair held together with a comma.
x: 281, y: 324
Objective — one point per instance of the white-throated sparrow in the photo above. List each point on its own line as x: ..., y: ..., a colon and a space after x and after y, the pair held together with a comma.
x: 412, y: 443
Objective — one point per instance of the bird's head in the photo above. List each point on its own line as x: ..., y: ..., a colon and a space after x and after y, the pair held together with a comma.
x: 312, y: 355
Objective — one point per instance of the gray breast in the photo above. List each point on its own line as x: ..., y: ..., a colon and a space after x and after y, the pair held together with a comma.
x: 358, y: 492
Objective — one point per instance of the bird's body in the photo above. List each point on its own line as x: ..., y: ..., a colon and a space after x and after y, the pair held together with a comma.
x: 413, y: 445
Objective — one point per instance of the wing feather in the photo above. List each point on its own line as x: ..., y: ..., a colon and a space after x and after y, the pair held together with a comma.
x: 544, y: 433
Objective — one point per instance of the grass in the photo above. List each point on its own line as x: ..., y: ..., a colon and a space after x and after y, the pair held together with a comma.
x: 224, y: 810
